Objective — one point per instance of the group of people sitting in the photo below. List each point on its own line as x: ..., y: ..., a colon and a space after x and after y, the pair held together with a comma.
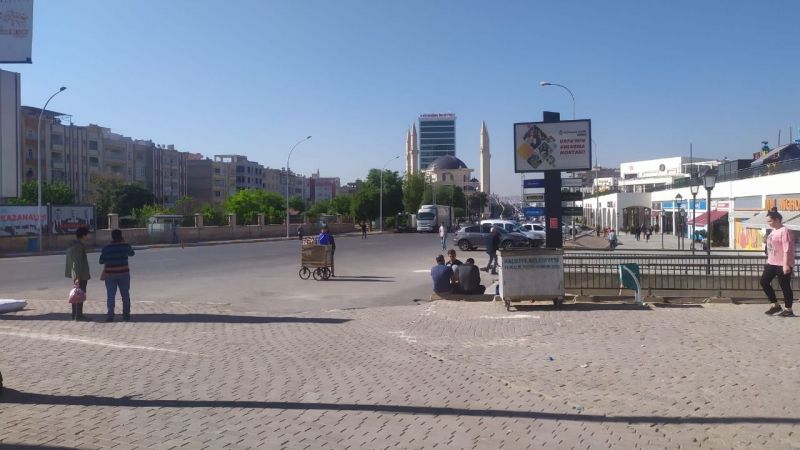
x: 455, y: 277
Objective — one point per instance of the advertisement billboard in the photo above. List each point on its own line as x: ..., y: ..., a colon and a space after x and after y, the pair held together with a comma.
x: 16, y: 31
x: 67, y: 219
x: 543, y: 146
x: 21, y: 220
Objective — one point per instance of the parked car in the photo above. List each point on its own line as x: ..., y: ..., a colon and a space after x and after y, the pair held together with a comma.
x: 473, y: 237
x: 537, y: 238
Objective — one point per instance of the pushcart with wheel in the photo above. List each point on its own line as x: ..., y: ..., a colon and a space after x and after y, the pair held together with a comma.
x: 315, y: 260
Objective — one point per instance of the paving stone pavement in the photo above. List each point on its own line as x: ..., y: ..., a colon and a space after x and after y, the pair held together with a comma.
x: 436, y: 375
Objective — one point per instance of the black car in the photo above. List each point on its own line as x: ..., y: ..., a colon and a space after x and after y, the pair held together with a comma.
x: 472, y: 237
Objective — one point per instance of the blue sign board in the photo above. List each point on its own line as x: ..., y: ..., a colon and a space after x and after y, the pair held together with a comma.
x: 531, y: 184
x: 533, y: 212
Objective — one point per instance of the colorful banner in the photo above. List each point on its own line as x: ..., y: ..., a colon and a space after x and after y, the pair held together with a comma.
x: 748, y: 238
x: 16, y: 31
x: 540, y: 146
x: 67, y: 219
x: 21, y: 220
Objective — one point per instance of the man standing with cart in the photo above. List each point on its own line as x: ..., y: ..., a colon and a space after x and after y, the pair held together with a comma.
x: 325, y: 238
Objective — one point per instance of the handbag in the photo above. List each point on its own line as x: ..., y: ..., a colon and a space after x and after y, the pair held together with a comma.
x: 103, y: 275
x: 77, y: 295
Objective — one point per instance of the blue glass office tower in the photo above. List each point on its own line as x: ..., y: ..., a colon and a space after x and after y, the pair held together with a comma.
x: 437, y: 137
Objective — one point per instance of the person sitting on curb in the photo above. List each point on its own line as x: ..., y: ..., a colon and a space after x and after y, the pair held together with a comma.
x: 441, y: 275
x: 452, y: 260
x: 469, y: 279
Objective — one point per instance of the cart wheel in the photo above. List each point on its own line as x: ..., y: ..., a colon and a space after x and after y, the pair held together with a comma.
x: 326, y: 273
x: 305, y: 273
x: 317, y: 273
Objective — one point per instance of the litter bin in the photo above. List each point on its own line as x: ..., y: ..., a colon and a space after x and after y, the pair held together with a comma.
x: 33, y: 244
x: 531, y: 273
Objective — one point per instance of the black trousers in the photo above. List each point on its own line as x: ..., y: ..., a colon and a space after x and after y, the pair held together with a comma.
x: 784, y: 280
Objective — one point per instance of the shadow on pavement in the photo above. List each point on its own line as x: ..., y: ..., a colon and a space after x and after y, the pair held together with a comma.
x: 361, y: 279
x: 541, y: 306
x: 676, y: 305
x: 186, y: 318
x: 12, y: 396
x: 32, y: 447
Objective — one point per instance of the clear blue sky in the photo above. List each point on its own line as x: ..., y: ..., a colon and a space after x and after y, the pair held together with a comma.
x: 253, y: 77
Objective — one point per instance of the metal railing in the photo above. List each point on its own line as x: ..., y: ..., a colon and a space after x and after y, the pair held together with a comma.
x: 716, y: 274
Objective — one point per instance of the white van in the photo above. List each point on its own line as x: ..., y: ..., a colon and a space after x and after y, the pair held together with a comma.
x: 537, y: 238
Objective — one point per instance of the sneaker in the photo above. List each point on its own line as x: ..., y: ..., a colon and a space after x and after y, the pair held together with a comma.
x: 773, y: 310
x: 786, y: 313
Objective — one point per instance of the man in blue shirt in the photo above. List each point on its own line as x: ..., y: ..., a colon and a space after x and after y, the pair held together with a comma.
x: 326, y: 238
x: 441, y: 276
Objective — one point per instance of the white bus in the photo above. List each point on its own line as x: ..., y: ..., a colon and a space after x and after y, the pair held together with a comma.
x: 429, y: 217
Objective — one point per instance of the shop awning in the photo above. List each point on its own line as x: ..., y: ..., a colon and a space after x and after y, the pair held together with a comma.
x: 702, y: 219
x: 793, y: 224
x: 760, y: 219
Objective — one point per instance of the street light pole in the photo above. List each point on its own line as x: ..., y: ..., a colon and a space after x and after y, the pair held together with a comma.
x: 39, y: 167
x: 678, y: 222
x: 694, y: 187
x: 709, y: 180
x: 546, y: 83
x: 381, y: 194
x: 287, y: 181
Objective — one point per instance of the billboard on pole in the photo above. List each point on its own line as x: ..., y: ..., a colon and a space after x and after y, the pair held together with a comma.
x: 543, y: 146
x: 16, y: 31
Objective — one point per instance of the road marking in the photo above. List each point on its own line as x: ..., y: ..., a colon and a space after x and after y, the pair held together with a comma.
x: 87, y: 341
x: 422, y: 271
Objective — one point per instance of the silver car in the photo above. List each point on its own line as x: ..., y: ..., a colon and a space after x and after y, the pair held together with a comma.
x: 472, y: 237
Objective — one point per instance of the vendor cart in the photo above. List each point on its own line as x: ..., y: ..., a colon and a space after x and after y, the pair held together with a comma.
x: 316, y: 257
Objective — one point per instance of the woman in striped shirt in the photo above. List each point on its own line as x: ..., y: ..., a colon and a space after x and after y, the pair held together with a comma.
x: 117, y: 274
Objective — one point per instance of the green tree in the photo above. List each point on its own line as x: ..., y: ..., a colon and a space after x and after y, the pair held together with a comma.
x: 413, y: 190
x: 296, y: 204
x: 56, y: 193
x: 140, y: 215
x: 364, y: 205
x: 392, y: 192
x: 127, y: 197
x: 213, y: 215
x: 341, y: 205
x: 318, y: 208
x: 101, y: 192
x: 247, y: 203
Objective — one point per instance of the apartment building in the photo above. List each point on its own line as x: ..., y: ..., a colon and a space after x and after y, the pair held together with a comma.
x: 73, y: 153
x: 322, y: 188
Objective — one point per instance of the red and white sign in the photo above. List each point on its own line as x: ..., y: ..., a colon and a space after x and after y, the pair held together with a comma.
x: 554, y: 223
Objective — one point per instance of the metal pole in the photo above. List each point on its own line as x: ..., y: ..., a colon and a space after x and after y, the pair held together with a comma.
x: 39, y: 169
x: 708, y: 231
x: 287, y: 181
x: 694, y: 218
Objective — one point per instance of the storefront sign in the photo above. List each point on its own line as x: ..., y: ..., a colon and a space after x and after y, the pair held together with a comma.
x: 783, y: 204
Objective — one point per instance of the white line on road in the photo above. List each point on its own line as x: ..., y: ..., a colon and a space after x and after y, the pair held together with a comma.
x: 87, y: 341
x: 422, y: 271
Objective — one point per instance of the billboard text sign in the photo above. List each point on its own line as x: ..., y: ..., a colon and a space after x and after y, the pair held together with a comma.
x: 21, y: 220
x: 16, y: 31
x: 540, y: 146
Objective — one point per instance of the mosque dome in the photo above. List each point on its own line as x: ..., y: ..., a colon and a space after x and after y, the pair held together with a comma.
x: 447, y: 162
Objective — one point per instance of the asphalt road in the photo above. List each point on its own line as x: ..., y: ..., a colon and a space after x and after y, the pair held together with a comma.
x: 383, y: 270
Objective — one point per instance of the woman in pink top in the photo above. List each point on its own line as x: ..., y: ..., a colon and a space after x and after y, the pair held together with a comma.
x: 780, y: 262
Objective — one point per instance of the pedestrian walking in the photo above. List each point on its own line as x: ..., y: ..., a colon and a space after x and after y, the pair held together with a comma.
x: 117, y: 275
x: 492, y: 243
x: 363, y: 230
x: 780, y: 263
x: 77, y: 269
x: 300, y: 232
x: 443, y: 236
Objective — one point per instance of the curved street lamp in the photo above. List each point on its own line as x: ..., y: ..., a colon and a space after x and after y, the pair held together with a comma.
x: 547, y: 83
x: 39, y: 166
x: 381, y: 195
x: 287, y: 181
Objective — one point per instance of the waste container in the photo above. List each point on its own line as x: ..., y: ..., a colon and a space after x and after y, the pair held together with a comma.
x: 531, y: 274
x: 33, y: 244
